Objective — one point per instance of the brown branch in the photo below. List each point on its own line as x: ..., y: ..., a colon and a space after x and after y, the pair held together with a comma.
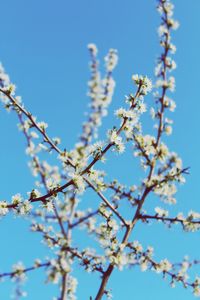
x: 33, y: 122
x: 64, y: 287
x: 167, y: 219
x: 83, y: 219
x: 68, y: 161
x: 12, y: 274
x: 147, y: 190
x: 112, y: 208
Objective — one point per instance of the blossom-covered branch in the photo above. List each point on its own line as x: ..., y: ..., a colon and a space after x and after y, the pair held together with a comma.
x: 189, y: 223
x: 53, y: 205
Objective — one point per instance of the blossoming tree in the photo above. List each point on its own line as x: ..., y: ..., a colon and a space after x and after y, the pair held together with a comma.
x: 52, y: 205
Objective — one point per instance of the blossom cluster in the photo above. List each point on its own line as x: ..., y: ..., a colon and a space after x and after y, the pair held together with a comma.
x: 100, y: 92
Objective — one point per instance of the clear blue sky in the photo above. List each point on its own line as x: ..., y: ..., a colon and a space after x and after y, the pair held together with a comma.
x: 43, y: 48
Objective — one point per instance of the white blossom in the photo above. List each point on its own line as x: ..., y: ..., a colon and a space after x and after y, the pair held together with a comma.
x: 3, y: 208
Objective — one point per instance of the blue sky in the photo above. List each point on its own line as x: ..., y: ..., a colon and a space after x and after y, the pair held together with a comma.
x: 43, y: 48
